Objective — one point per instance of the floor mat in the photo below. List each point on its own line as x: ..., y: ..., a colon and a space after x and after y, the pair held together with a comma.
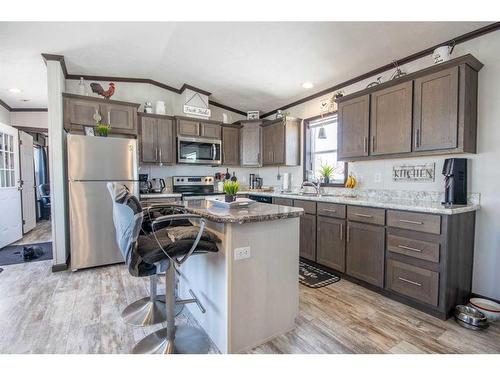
x: 34, y: 252
x: 314, y: 277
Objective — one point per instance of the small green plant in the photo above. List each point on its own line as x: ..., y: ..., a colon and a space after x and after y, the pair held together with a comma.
x: 326, y: 171
x: 102, y: 129
x: 231, y: 187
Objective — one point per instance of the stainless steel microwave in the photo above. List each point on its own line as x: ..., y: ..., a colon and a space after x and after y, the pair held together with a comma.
x: 197, y: 150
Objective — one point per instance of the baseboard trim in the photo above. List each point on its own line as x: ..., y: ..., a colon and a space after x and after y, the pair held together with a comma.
x: 61, y: 267
x: 481, y: 296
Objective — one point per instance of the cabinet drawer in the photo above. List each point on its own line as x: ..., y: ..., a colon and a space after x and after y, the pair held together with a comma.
x: 283, y: 201
x: 417, y: 283
x: 308, y: 206
x: 366, y: 215
x: 427, y: 223
x: 413, y: 248
x: 331, y: 210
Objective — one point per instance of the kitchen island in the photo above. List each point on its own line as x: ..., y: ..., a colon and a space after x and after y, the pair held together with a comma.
x: 250, y: 287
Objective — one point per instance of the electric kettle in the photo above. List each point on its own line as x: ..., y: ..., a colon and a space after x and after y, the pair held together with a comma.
x: 157, y: 185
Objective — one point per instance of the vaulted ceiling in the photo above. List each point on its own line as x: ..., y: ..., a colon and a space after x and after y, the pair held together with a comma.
x: 245, y: 65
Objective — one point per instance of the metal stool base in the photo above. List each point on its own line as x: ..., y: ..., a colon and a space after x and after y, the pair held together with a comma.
x: 145, y: 312
x: 188, y: 340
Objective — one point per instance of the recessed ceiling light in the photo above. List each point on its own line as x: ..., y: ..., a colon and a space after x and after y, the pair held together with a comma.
x: 307, y: 85
x: 15, y: 90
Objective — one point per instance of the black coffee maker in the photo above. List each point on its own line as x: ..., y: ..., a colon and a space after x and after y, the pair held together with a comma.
x: 455, y: 186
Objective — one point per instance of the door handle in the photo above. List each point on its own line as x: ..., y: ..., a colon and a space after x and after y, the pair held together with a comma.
x: 364, y: 215
x: 348, y: 233
x: 417, y: 138
x: 410, y: 222
x: 365, y: 144
x: 373, y: 143
x: 109, y: 117
x: 214, y: 152
x: 409, y: 248
x: 160, y: 155
x: 156, y: 153
x: 341, y: 231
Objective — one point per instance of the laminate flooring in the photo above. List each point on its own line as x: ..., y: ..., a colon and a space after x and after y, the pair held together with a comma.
x: 41, y: 233
x: 79, y: 312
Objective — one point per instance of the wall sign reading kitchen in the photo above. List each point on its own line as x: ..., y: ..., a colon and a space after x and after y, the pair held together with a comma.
x: 414, y: 173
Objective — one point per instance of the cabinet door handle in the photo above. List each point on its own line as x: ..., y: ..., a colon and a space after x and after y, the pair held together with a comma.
x: 341, y: 231
x: 364, y: 215
x: 373, y: 143
x: 160, y: 155
x: 409, y: 281
x: 409, y: 248
x: 365, y: 144
x: 410, y: 222
x: 348, y: 233
x: 417, y: 138
x: 329, y: 210
x: 109, y: 117
x: 156, y: 153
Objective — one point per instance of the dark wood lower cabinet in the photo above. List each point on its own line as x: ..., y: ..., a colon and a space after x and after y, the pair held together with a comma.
x: 307, y: 243
x: 365, y: 252
x: 331, y: 243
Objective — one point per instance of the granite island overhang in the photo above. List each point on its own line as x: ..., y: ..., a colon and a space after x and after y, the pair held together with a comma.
x: 250, y: 288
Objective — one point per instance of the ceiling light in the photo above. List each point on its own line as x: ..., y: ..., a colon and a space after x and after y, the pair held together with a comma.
x: 307, y: 85
x: 24, y: 100
x: 14, y: 90
x: 322, y: 133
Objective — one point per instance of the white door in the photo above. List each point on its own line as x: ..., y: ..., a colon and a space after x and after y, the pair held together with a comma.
x: 27, y: 181
x: 10, y: 196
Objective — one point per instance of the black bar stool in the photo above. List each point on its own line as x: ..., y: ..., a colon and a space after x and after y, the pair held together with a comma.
x: 147, y: 255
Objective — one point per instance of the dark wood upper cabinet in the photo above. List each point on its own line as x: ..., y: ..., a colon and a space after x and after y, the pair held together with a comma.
x: 119, y: 116
x: 281, y: 142
x: 230, y: 145
x: 435, y: 105
x: 210, y: 130
x: 157, y: 139
x: 188, y: 128
x: 390, y: 123
x: 79, y: 111
x: 331, y: 243
x: 166, y: 140
x: 365, y: 252
x: 148, y: 140
x: 250, y: 143
x: 429, y: 112
x: 352, y: 132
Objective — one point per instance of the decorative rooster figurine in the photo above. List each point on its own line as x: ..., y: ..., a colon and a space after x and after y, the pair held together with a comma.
x: 97, y: 88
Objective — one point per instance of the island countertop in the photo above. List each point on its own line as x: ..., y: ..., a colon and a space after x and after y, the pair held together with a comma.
x: 255, y: 212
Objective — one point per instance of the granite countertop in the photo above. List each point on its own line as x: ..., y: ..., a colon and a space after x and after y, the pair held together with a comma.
x: 255, y: 212
x: 390, y: 203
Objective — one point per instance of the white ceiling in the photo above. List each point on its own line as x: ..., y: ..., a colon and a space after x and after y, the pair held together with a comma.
x: 244, y: 65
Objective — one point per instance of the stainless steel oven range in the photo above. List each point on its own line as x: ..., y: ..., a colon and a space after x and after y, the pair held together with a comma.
x: 194, y: 187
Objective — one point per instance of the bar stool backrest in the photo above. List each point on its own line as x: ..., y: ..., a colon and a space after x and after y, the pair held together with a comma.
x: 127, y: 218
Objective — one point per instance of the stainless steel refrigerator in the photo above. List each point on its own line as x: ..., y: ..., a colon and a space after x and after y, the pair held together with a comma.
x: 92, y: 163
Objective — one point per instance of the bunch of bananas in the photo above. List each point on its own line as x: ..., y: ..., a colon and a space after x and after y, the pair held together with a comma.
x: 351, y: 182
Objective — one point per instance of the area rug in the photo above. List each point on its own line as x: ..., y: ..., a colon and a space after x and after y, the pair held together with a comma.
x: 33, y: 252
x: 314, y: 277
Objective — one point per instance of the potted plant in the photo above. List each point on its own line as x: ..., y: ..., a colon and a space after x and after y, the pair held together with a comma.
x: 230, y: 189
x: 102, y: 129
x: 326, y: 171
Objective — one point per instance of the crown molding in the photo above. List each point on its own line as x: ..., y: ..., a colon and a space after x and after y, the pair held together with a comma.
x: 457, y: 40
x: 5, y: 105
x: 60, y: 59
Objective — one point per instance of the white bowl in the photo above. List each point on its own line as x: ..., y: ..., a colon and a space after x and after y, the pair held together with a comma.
x: 489, y: 308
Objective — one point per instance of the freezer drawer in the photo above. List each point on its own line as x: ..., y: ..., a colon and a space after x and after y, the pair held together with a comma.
x: 92, y: 232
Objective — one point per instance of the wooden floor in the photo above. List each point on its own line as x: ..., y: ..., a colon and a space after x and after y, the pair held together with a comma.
x: 79, y: 312
x: 41, y: 233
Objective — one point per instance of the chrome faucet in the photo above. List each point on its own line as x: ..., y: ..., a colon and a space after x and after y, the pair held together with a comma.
x: 316, y: 186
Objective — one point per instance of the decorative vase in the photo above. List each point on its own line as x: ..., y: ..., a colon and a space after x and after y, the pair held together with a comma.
x: 326, y: 180
x: 229, y: 198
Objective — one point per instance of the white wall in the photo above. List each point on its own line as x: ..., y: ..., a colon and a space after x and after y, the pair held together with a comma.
x: 30, y: 119
x: 57, y: 160
x: 484, y: 172
x: 4, y: 116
